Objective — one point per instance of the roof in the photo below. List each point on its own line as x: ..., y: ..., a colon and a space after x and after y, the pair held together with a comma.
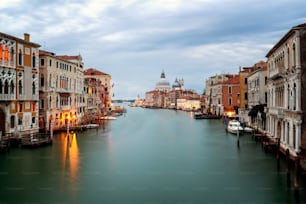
x: 19, y: 39
x: 93, y: 71
x: 285, y: 37
x: 234, y: 80
x: 68, y: 57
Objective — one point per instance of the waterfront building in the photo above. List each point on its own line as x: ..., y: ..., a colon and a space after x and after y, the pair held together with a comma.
x: 18, y: 85
x: 62, y: 103
x: 209, y: 85
x: 94, y: 93
x: 257, y: 85
x: 243, y: 81
x: 105, y: 80
x: 154, y: 99
x: 286, y: 107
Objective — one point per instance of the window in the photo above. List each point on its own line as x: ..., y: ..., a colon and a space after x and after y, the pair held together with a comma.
x: 33, y: 120
x: 20, y: 107
x: 230, y: 101
x: 56, y: 64
x: 6, y: 87
x: 245, y: 80
x: 245, y: 95
x: 33, y: 107
x: 266, y: 97
x: 42, y: 104
x: 294, y: 57
x: 42, y: 81
x: 230, y: 90
x: 42, y: 62
x: 33, y: 88
x: 20, y: 87
x: 12, y: 86
x: 20, y: 57
x: 12, y: 121
x: 50, y: 62
x: 294, y: 135
x: 266, y: 80
x: 33, y: 60
x: 19, y: 121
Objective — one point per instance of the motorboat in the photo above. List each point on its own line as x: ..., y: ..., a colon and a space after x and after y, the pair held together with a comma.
x: 234, y: 126
x: 108, y: 118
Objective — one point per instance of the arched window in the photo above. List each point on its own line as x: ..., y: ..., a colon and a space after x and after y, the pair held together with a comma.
x: 294, y: 96
x: 288, y: 58
x: 294, y: 134
x: 20, y: 87
x: 19, y: 57
x: 288, y: 97
x: 6, y: 87
x: 12, y: 87
x: 294, y: 57
x: 6, y: 53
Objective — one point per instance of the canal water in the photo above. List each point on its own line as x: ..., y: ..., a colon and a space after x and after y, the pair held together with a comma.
x: 147, y: 156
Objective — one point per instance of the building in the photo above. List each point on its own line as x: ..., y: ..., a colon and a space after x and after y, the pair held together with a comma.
x: 163, y: 84
x: 257, y: 85
x: 286, y: 107
x: 62, y: 102
x: 243, y: 81
x: 105, y: 80
x: 96, y: 103
x: 209, y: 83
x: 18, y: 85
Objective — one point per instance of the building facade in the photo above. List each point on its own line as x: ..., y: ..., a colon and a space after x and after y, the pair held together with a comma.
x: 105, y: 80
x: 18, y: 85
x: 62, y: 102
x: 286, y: 108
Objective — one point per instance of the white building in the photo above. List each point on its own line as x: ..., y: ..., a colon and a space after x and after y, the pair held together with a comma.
x: 286, y: 108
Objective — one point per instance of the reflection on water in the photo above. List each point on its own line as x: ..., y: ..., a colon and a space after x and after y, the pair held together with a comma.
x: 70, y: 160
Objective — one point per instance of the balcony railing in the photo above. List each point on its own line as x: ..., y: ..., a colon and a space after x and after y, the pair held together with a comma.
x: 7, y: 97
x: 276, y: 72
x: 31, y: 97
x: 277, y: 111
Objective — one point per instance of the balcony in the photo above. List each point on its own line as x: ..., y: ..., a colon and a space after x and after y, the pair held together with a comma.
x: 30, y: 98
x: 7, y: 97
x: 67, y: 107
x: 276, y: 72
x: 279, y: 112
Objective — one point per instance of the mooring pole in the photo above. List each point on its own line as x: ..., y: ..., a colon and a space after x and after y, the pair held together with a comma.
x: 288, y: 167
x: 296, y: 172
x: 238, y: 137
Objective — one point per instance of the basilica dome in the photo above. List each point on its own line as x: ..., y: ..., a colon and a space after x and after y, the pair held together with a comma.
x: 163, y: 84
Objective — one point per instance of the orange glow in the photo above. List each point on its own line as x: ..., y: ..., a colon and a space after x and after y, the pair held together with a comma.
x: 0, y: 52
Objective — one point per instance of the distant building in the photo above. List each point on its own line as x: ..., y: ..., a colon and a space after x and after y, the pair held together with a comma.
x: 19, y: 75
x: 286, y: 109
x: 163, y: 84
x: 105, y: 80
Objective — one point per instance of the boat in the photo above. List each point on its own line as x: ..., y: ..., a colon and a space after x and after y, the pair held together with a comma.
x: 234, y: 126
x: 205, y: 116
x: 90, y: 126
x: 108, y: 118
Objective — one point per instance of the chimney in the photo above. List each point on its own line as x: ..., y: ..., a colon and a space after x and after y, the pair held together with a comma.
x: 27, y: 37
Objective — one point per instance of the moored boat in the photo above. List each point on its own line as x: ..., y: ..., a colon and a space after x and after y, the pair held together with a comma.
x: 234, y: 126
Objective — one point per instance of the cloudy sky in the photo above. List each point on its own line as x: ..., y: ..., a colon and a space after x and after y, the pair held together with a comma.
x: 134, y: 40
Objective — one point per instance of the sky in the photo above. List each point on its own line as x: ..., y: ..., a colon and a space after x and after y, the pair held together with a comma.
x: 135, y: 40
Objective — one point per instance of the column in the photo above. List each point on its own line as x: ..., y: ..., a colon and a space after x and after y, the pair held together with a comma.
x: 298, y: 93
x: 298, y: 136
x: 298, y: 54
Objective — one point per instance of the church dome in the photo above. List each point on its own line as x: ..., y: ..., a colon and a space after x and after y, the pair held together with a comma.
x: 163, y: 84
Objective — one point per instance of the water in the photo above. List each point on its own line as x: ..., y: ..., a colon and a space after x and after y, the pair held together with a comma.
x: 147, y: 156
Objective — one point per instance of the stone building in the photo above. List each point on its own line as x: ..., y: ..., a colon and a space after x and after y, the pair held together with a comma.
x: 18, y: 85
x: 62, y: 102
x: 243, y: 81
x: 286, y: 108
x: 105, y: 80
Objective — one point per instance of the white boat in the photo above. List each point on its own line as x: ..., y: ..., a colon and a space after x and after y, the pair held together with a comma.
x: 90, y: 126
x: 234, y: 125
x: 108, y: 118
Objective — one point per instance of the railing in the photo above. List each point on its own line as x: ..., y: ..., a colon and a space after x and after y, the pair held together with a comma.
x: 276, y: 72
x: 65, y: 107
x: 7, y: 97
x: 277, y: 111
x: 34, y: 97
